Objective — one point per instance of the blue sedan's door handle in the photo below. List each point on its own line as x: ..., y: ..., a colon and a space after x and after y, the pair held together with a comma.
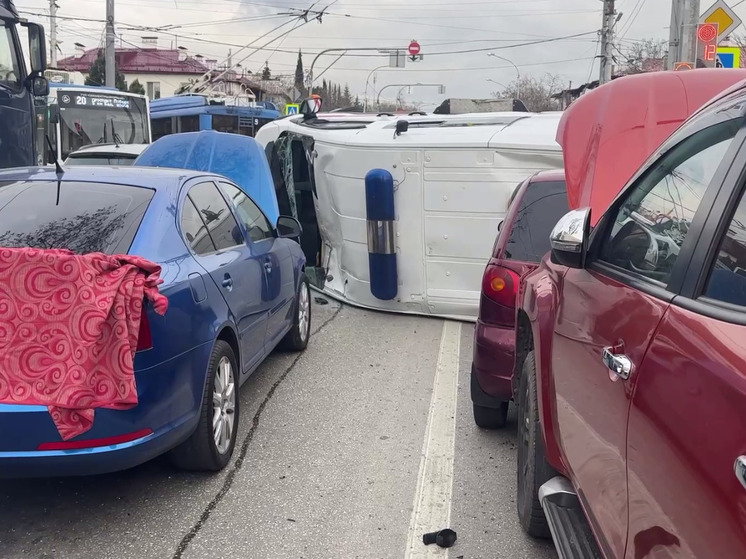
x: 268, y: 266
x: 228, y: 282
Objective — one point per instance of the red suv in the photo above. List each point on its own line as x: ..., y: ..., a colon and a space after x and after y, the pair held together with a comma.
x: 631, y: 347
x: 523, y: 238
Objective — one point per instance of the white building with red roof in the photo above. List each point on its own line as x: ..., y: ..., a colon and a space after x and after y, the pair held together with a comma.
x: 160, y: 71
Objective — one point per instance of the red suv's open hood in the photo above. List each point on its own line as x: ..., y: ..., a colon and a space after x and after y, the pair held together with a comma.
x: 609, y: 132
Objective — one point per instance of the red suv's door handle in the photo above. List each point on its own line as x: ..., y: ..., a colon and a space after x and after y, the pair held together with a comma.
x: 618, y: 364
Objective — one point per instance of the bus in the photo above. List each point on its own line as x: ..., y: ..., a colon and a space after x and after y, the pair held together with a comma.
x: 74, y: 116
x: 193, y: 112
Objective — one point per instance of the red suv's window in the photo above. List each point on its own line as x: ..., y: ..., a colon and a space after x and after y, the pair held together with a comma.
x: 652, y: 224
x: 727, y: 280
x: 541, y: 206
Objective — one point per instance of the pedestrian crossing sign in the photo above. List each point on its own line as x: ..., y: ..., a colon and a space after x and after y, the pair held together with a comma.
x: 729, y: 57
x: 292, y: 109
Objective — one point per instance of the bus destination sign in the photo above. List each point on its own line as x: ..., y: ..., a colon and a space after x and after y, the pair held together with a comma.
x: 92, y: 100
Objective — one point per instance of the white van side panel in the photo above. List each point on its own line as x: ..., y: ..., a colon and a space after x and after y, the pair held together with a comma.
x: 448, y: 203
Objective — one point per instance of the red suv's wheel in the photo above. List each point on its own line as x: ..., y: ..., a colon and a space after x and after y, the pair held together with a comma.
x: 533, y: 468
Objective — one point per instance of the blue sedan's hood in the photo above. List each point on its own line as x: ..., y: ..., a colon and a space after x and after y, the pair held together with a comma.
x: 239, y: 158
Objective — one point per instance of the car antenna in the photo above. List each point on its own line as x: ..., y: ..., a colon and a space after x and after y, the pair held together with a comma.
x: 57, y: 165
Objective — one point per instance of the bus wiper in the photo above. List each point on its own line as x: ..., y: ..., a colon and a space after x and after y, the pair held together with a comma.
x: 117, y: 139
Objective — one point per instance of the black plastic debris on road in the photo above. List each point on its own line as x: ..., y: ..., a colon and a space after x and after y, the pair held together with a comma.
x: 443, y: 538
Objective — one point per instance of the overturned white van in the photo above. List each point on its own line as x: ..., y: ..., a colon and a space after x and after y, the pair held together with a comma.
x: 452, y: 177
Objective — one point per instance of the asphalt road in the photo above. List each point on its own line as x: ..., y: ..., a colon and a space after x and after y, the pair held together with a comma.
x: 343, y: 452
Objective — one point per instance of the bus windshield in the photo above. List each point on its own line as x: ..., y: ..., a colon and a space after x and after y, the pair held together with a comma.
x: 100, y: 118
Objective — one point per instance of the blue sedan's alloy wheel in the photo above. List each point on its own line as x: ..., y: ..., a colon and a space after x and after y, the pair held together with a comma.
x: 224, y: 405
x: 211, y: 445
x: 297, y: 338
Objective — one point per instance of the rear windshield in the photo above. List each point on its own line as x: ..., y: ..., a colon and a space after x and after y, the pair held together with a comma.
x: 110, y: 160
x: 541, y: 207
x: 82, y: 217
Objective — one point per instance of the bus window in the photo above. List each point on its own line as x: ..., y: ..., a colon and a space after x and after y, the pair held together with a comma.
x: 189, y: 123
x: 90, y: 117
x: 161, y: 127
x: 225, y: 123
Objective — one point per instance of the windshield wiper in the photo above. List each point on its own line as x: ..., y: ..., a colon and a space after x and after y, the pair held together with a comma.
x: 117, y: 139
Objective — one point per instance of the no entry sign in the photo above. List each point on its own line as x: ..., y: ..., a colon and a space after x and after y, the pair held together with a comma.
x: 414, y: 48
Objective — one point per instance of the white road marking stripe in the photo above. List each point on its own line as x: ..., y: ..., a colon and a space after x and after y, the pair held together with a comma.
x: 432, y: 501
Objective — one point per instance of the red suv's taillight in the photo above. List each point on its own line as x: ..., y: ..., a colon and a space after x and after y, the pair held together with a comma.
x: 499, y: 290
x: 145, y: 338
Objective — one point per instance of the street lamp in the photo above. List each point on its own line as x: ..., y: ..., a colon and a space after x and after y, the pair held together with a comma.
x: 517, y: 71
x: 365, y: 105
x: 497, y: 83
x: 440, y: 86
x: 344, y: 51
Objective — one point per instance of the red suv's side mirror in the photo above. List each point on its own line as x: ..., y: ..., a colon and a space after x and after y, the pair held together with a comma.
x: 569, y: 238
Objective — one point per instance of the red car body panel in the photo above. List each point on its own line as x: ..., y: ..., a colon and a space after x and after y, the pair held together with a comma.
x: 686, y: 428
x: 607, y: 134
x: 539, y: 300
x: 494, y: 345
x: 592, y: 405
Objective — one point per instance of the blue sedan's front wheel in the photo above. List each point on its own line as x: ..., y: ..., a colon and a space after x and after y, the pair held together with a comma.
x: 211, y: 445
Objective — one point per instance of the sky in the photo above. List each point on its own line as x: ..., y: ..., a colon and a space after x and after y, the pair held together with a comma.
x: 532, y: 34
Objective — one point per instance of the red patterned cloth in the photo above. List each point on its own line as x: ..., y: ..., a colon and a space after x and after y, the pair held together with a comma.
x: 69, y: 326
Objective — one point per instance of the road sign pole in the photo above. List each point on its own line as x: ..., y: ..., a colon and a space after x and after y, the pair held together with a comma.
x: 689, y: 19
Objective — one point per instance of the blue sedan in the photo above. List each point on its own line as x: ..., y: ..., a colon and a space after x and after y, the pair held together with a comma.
x: 236, y: 290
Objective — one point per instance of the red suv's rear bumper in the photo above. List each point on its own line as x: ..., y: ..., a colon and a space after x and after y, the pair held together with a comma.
x: 492, y: 367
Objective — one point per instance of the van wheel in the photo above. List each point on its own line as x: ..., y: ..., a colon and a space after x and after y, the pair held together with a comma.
x: 533, y: 468
x: 211, y: 445
x: 491, y: 418
x: 297, y: 338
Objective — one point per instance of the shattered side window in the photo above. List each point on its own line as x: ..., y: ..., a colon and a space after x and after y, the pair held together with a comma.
x: 285, y: 154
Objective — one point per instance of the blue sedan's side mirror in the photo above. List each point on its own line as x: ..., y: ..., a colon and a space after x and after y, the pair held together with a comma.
x: 288, y: 227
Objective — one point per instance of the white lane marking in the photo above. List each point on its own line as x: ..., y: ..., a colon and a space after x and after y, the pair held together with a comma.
x: 432, y: 501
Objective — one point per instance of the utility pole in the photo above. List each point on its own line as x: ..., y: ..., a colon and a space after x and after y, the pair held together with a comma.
x: 53, y: 32
x: 607, y: 41
x: 682, y: 42
x: 110, y: 58
x: 674, y: 35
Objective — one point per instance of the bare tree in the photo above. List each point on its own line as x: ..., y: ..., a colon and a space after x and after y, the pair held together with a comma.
x: 637, y: 57
x: 535, y: 92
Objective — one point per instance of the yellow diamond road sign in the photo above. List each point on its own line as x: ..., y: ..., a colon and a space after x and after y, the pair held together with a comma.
x: 724, y: 16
